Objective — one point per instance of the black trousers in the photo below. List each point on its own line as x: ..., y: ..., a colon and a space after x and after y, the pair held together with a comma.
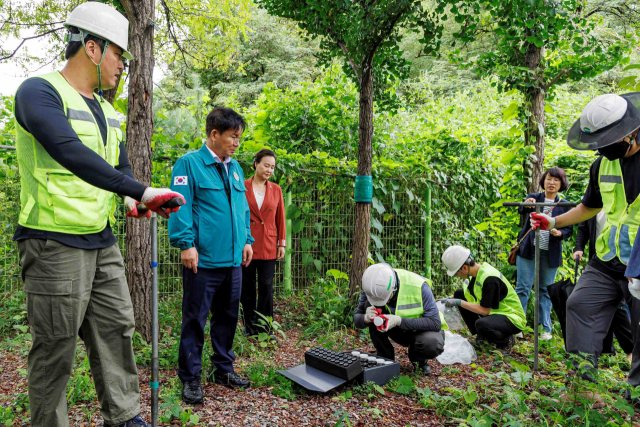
x: 422, y: 345
x: 495, y: 328
x: 590, y: 311
x: 265, y: 268
x: 215, y: 291
x: 621, y: 328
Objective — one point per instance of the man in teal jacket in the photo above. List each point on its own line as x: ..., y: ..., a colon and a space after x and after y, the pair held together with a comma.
x: 214, y: 235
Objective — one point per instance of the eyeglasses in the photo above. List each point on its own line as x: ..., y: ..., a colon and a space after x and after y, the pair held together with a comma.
x: 235, y: 139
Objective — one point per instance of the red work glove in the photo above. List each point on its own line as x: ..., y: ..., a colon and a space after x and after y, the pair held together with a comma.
x: 154, y: 198
x: 132, y: 209
x: 542, y: 221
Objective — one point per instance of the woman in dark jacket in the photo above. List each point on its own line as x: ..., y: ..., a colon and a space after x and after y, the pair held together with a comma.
x: 553, y: 181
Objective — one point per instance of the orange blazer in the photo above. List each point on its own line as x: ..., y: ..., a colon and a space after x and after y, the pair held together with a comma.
x: 268, y: 225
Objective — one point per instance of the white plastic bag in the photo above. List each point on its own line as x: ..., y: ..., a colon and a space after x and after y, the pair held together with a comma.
x: 457, y: 349
x: 451, y: 316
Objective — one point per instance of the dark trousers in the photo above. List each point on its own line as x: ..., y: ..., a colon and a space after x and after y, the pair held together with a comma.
x: 621, y: 328
x: 265, y: 268
x: 422, y: 345
x: 495, y: 328
x: 215, y: 290
x: 590, y: 311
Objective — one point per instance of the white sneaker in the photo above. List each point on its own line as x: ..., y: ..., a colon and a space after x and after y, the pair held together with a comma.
x: 520, y: 335
x: 546, y: 336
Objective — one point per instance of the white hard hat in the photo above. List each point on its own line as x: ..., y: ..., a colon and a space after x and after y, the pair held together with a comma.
x: 602, y: 111
x: 102, y: 21
x: 454, y: 258
x: 378, y: 283
x: 606, y: 120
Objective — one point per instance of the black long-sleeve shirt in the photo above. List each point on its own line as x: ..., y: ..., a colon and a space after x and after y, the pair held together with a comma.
x: 40, y: 111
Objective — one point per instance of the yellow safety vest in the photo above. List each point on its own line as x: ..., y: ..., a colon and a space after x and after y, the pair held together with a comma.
x: 510, y: 306
x: 51, y: 197
x: 619, y: 233
x: 409, y: 303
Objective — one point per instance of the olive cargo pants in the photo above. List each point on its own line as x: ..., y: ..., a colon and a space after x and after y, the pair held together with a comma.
x: 70, y: 289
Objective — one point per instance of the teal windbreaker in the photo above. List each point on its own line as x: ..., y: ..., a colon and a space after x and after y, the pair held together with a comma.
x: 219, y: 230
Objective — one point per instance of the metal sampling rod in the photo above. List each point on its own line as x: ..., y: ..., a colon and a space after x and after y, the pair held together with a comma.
x: 154, y: 384
x: 536, y: 280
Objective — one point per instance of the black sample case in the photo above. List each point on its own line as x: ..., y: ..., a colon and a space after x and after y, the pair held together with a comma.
x: 341, y: 365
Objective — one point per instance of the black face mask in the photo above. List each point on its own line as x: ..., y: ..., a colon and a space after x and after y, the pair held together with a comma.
x: 616, y: 151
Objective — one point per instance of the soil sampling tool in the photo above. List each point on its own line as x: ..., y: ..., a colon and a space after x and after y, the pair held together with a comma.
x: 536, y: 280
x: 154, y: 384
x: 325, y: 369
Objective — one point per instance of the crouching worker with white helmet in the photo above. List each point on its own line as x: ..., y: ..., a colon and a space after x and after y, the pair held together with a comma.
x: 487, y: 302
x: 406, y: 300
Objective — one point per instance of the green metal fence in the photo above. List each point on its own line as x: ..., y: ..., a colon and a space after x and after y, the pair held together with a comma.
x: 323, y: 243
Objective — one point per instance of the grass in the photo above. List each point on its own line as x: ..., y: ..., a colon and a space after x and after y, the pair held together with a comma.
x: 496, y: 390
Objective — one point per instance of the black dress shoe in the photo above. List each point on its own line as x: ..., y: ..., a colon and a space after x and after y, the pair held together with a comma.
x: 231, y: 380
x: 192, y: 392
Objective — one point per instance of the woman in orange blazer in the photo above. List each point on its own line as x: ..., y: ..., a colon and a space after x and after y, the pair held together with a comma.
x: 268, y: 229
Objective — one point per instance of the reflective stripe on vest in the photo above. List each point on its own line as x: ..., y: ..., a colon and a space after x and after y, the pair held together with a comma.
x: 619, y: 233
x: 51, y: 197
x: 409, y: 304
x: 510, y: 306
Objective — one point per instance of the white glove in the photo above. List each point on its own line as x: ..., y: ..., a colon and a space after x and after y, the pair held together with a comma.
x: 151, y: 193
x: 634, y: 288
x: 542, y: 221
x: 132, y: 209
x: 392, y: 322
x: 154, y: 198
x: 370, y: 314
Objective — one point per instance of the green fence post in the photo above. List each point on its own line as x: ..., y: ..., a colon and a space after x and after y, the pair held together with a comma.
x: 427, y: 234
x: 287, y: 257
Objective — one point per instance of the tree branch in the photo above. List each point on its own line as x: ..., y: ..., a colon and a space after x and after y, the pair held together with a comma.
x: 167, y: 13
x: 37, y: 36
x: 356, y: 68
x: 555, y: 79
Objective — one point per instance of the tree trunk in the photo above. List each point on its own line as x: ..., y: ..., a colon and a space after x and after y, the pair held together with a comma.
x: 139, y: 133
x: 535, y: 129
x: 361, y: 233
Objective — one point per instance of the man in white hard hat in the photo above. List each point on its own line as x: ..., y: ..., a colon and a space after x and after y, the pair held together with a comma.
x: 609, y: 124
x: 73, y: 163
x: 406, y: 300
x: 487, y: 302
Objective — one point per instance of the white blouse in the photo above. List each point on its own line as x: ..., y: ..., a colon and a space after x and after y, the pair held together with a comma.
x: 259, y: 197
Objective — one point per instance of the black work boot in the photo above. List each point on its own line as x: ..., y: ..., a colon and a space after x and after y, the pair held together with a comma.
x: 506, y: 349
x: 192, y: 392
x: 424, y: 367
x: 480, y: 342
x: 133, y: 422
x: 231, y: 380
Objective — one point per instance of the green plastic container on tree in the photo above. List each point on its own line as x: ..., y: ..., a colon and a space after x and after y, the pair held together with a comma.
x: 364, y: 188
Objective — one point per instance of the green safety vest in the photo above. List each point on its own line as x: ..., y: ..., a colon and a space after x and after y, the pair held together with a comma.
x: 510, y: 306
x: 619, y: 233
x: 409, y: 303
x: 51, y: 197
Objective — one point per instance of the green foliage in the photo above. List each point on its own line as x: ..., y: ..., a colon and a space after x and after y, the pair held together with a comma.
x: 568, y: 32
x: 365, y: 36
x: 273, y: 51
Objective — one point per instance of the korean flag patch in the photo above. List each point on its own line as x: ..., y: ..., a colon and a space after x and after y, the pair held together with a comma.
x: 180, y: 180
